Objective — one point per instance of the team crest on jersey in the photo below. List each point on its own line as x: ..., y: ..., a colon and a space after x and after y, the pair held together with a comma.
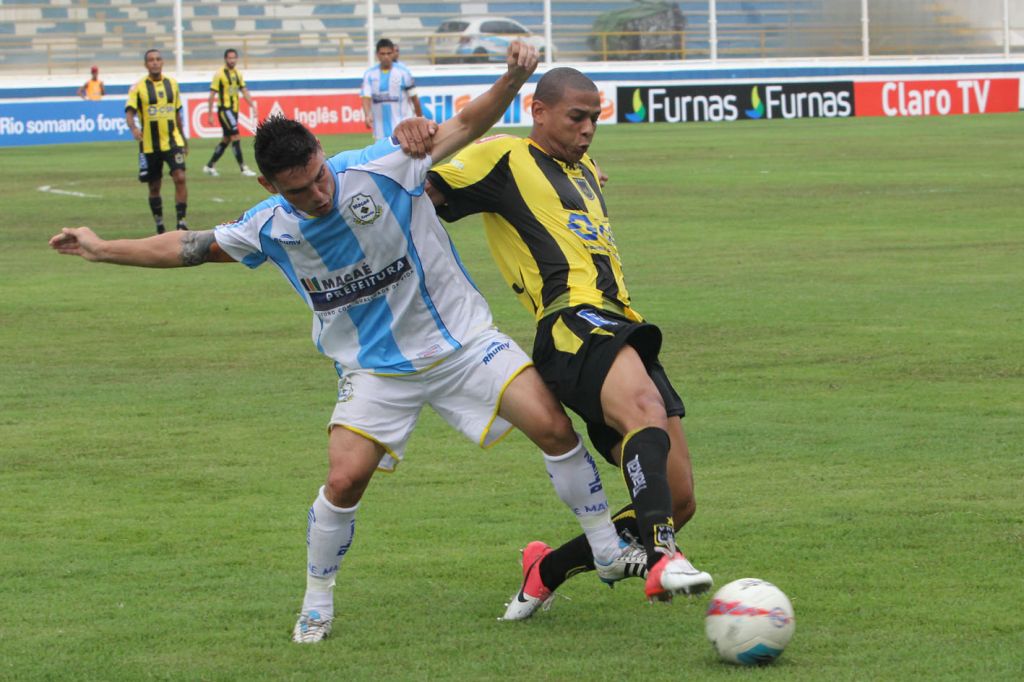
x: 585, y: 188
x: 345, y: 390
x: 364, y: 209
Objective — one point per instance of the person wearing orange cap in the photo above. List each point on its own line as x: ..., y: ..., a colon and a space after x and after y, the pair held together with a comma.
x: 93, y: 88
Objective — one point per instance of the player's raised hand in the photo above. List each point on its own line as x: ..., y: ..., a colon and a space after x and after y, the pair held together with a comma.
x: 76, y: 241
x: 416, y: 136
x: 521, y: 60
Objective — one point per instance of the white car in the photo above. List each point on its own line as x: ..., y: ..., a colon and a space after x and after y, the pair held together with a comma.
x: 479, y: 39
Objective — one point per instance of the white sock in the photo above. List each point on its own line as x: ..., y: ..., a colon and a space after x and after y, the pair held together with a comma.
x: 329, y: 533
x: 578, y: 484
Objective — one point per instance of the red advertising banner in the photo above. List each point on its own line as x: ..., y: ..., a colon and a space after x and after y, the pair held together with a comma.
x: 323, y: 113
x: 937, y: 98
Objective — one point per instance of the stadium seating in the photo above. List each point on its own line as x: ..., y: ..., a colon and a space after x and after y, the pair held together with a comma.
x: 70, y: 34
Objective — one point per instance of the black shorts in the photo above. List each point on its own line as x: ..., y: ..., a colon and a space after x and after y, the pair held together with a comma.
x: 151, y: 166
x: 574, y: 350
x: 228, y: 122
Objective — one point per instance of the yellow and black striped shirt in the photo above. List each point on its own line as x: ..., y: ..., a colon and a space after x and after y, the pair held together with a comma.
x: 227, y: 83
x: 546, y: 223
x: 156, y: 104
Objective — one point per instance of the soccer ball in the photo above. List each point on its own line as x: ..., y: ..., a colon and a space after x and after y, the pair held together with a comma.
x: 749, y: 622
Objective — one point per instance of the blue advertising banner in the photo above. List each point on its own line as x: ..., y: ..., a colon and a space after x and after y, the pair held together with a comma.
x: 60, y: 122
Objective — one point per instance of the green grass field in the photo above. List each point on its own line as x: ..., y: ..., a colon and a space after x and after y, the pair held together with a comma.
x: 843, y: 306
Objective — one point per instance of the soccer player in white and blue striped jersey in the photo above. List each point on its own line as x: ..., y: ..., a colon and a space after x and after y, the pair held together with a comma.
x: 357, y: 238
x: 388, y: 93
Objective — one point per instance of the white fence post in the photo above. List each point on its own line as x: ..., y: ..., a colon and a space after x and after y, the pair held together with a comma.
x: 371, y: 51
x: 547, y: 31
x: 179, y: 41
x: 713, y: 29
x: 1006, y: 28
x: 865, y: 30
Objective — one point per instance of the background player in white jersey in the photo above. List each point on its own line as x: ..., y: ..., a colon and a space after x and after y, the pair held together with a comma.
x: 388, y: 91
x: 358, y: 240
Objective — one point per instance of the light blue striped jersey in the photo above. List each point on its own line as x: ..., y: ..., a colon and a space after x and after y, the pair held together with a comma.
x: 386, y: 90
x: 382, y: 277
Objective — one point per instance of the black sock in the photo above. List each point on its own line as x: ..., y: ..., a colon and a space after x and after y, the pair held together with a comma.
x: 236, y: 147
x: 156, y: 207
x: 180, y: 208
x: 575, y: 556
x: 217, y: 151
x: 644, y: 462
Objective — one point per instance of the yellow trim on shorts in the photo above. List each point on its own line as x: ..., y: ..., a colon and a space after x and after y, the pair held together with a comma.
x: 360, y: 432
x: 564, y: 339
x: 497, y: 408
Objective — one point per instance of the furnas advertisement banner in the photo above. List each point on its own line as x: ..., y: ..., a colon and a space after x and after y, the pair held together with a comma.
x: 938, y: 97
x: 698, y: 103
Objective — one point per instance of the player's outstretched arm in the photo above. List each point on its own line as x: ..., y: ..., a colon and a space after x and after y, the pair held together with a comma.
x: 169, y: 250
x: 483, y: 112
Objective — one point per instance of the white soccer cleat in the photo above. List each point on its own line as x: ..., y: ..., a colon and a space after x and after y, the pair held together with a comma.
x: 211, y: 171
x: 248, y: 172
x: 675, y: 575
x: 630, y: 563
x: 532, y: 594
x: 311, y: 628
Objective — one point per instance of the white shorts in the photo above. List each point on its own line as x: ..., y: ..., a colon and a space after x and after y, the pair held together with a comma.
x: 465, y: 389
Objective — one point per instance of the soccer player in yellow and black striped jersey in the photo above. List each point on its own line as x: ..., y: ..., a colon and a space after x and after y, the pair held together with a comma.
x: 548, y: 229
x: 156, y: 102
x: 226, y: 86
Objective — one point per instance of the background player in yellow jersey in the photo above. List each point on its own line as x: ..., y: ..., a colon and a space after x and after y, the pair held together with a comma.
x: 548, y: 229
x: 92, y: 89
x: 227, y: 85
x: 156, y: 102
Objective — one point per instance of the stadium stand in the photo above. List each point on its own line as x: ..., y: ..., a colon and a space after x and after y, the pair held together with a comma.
x: 68, y: 35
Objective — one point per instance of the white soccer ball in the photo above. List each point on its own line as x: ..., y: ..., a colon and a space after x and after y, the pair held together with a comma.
x: 750, y: 622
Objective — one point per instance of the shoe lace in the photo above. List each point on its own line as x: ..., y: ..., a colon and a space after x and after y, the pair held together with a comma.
x: 633, y: 553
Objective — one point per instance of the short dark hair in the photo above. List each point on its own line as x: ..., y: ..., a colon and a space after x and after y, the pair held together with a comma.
x: 229, y: 51
x: 552, y: 85
x: 282, y: 143
x: 145, y: 57
x: 385, y: 42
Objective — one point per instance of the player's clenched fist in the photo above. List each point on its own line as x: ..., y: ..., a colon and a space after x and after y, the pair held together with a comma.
x: 521, y: 60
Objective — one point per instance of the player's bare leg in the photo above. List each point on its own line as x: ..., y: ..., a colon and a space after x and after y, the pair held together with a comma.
x: 529, y: 405
x: 680, y: 474
x: 632, y: 403
x: 633, y: 406
x: 331, y: 527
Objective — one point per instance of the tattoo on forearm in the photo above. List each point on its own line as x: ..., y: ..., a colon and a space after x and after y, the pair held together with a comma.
x: 195, y: 247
